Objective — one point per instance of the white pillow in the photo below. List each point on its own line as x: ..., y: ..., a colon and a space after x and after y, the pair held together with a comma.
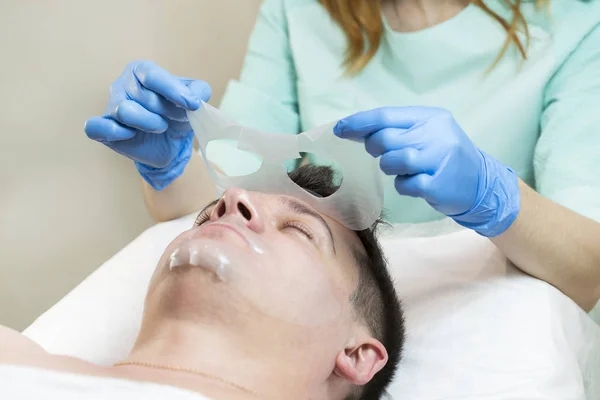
x: 477, y: 327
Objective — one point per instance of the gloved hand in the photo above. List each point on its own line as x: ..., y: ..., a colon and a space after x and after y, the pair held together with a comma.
x: 146, y: 120
x: 435, y: 160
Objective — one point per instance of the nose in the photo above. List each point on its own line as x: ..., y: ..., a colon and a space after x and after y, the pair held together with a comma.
x: 242, y: 205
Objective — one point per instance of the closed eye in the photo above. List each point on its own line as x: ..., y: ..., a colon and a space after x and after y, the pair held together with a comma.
x: 300, y: 227
x: 203, y: 216
x: 301, y: 209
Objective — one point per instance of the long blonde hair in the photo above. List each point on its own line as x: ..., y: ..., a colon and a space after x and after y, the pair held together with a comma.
x: 362, y: 22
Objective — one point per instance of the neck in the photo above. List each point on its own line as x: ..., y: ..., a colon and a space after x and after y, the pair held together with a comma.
x: 415, y: 15
x: 227, y: 365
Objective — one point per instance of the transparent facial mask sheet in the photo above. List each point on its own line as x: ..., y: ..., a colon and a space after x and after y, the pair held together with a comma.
x: 356, y: 204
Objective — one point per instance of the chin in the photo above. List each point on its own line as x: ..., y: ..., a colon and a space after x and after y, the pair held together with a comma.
x: 188, y: 290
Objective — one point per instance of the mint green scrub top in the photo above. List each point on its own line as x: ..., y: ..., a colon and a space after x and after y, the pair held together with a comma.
x: 541, y: 117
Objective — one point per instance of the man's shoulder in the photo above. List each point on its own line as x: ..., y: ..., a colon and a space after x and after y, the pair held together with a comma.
x: 14, y: 346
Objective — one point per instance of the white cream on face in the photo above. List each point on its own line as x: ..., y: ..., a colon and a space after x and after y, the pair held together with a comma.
x: 203, y: 255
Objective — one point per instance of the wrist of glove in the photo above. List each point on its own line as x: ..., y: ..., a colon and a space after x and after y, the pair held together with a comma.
x: 498, y: 199
x: 160, y: 178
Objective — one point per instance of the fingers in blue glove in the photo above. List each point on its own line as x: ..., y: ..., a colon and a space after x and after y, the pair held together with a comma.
x: 385, y: 140
x: 363, y: 124
x: 149, y: 100
x: 133, y: 149
x: 156, y: 79
x: 178, y: 129
x: 200, y: 89
x: 133, y: 115
x: 407, y: 161
x: 413, y: 185
x: 159, y: 95
x: 105, y: 129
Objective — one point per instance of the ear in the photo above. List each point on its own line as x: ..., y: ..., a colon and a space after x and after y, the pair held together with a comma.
x: 359, y: 363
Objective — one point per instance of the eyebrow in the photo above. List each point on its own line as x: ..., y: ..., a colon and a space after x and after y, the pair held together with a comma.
x: 300, y: 208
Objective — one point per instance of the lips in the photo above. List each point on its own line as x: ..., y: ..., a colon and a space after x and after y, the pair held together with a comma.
x: 224, y: 226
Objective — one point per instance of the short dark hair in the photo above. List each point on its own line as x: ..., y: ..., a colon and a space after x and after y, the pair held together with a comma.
x: 375, y: 299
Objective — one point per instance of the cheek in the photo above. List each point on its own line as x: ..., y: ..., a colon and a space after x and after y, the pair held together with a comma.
x: 163, y: 262
x: 296, y: 286
x: 177, y: 242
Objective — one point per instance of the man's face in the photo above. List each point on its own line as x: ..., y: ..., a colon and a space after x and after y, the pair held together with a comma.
x: 270, y: 275
x: 269, y: 257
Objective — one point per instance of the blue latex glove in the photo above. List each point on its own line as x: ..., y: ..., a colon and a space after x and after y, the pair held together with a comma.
x: 146, y: 120
x: 434, y: 159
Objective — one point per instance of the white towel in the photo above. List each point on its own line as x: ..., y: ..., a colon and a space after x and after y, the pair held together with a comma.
x: 26, y: 383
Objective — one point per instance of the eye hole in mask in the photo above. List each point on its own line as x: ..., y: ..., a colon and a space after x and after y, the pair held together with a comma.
x: 318, y: 160
x: 248, y: 162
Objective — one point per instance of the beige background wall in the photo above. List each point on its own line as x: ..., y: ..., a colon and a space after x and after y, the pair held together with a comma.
x: 67, y: 203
